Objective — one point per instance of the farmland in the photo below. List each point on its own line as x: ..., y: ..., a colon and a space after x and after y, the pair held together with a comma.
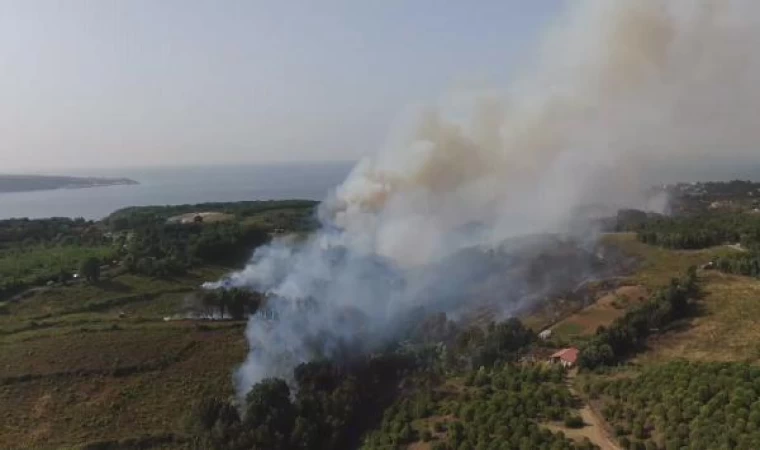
x: 110, y: 362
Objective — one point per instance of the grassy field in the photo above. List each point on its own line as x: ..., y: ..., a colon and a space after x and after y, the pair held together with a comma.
x: 97, y: 363
x: 726, y: 328
x: 601, y: 313
x: 29, y: 264
x: 656, y: 267
x: 659, y: 265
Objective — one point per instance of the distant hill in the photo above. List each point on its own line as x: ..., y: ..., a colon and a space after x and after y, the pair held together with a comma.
x: 23, y: 183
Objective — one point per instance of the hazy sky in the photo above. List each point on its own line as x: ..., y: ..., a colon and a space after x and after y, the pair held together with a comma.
x: 139, y: 82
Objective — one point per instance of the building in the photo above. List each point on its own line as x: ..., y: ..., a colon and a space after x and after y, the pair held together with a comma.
x: 546, y: 334
x: 567, y: 357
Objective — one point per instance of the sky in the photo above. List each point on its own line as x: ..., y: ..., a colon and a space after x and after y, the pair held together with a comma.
x: 117, y: 83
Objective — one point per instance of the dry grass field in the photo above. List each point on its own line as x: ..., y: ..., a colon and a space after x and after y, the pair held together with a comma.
x: 97, y: 365
x: 601, y: 313
x: 726, y: 327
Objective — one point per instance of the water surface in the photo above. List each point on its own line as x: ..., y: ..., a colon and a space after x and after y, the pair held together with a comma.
x: 178, y: 185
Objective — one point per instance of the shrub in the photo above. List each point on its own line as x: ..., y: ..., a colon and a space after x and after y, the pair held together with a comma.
x: 573, y: 421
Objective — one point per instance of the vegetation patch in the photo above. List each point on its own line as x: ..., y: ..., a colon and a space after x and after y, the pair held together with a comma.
x: 726, y: 328
x: 602, y: 313
x: 657, y: 266
x: 504, y: 404
x: 56, y: 411
x: 683, y: 404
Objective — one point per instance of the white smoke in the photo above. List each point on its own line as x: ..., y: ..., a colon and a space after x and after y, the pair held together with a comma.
x: 620, y: 87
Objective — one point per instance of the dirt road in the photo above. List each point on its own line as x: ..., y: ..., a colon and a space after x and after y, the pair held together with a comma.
x: 594, y: 429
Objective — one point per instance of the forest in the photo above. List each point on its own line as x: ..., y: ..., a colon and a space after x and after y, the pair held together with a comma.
x: 453, y: 387
x: 140, y: 216
x: 679, y: 404
x: 170, y: 249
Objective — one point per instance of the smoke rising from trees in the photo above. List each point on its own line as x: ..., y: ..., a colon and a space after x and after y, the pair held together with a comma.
x: 617, y: 89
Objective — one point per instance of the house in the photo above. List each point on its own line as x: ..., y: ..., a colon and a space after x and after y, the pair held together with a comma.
x: 546, y: 334
x: 567, y: 357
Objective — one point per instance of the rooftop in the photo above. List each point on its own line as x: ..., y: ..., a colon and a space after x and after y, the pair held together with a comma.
x: 568, y: 354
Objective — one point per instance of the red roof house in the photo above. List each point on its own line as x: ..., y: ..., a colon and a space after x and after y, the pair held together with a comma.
x: 568, y: 357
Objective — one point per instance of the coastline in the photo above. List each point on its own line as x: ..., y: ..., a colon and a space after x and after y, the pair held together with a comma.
x: 12, y: 184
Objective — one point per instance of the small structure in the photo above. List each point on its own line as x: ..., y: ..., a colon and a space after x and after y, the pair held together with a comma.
x: 546, y: 334
x: 567, y: 357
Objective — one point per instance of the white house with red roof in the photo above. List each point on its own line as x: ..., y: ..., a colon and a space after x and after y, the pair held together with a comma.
x: 568, y: 357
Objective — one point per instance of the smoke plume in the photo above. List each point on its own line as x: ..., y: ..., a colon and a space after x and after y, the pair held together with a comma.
x: 617, y: 89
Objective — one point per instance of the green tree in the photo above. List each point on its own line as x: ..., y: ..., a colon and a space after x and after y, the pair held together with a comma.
x: 90, y: 269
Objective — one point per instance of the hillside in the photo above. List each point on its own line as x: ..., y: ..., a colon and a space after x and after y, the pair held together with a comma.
x: 128, y: 360
x: 117, y: 362
x: 24, y: 183
x: 85, y: 364
x: 659, y: 398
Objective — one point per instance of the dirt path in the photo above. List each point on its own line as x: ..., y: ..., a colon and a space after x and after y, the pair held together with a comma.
x: 594, y: 429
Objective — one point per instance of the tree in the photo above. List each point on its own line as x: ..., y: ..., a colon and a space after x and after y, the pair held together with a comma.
x: 210, y: 301
x: 64, y: 276
x: 572, y: 421
x: 90, y: 269
x: 270, y: 415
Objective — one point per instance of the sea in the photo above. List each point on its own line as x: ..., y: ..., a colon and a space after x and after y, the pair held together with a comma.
x: 178, y: 186
x: 311, y: 181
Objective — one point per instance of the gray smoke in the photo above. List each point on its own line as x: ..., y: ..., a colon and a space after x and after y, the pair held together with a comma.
x: 620, y: 88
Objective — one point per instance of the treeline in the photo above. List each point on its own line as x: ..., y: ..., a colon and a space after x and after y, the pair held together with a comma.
x: 170, y: 249
x: 498, y: 343
x: 700, y: 231
x: 700, y: 406
x: 235, y: 303
x: 743, y: 263
x: 734, y: 188
x: 628, y: 334
x: 331, y: 407
x: 27, y: 233
x: 140, y: 216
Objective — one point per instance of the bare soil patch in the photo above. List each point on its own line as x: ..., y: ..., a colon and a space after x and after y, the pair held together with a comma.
x: 602, y: 313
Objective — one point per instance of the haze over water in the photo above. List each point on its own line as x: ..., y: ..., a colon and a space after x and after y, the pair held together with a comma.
x: 178, y: 185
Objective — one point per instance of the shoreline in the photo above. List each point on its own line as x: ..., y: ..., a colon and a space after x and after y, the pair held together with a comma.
x: 14, y: 184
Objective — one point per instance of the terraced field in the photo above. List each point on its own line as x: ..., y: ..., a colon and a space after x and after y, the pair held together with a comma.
x: 98, y: 365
